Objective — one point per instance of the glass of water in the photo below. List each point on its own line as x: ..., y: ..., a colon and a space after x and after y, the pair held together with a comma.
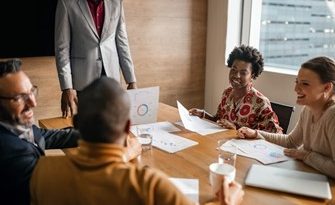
x: 227, y: 152
x: 145, y: 135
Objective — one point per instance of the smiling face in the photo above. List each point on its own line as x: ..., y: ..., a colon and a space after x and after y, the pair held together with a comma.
x: 16, y: 112
x: 240, y: 74
x: 309, y: 88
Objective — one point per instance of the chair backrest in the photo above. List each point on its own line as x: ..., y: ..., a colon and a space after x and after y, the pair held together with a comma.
x: 283, y: 113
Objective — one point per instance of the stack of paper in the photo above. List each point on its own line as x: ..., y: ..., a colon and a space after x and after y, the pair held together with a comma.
x: 261, y: 150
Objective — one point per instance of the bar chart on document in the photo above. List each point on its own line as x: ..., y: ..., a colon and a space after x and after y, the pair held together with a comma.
x: 144, y: 105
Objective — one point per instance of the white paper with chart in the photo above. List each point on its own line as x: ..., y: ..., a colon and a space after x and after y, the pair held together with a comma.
x: 195, y: 124
x: 261, y: 150
x: 163, y: 139
x: 144, y: 105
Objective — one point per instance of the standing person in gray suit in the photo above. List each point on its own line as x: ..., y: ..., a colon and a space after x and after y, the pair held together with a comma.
x: 90, y: 41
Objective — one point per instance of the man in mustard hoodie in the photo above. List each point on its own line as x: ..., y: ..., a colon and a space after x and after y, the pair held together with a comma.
x: 98, y: 171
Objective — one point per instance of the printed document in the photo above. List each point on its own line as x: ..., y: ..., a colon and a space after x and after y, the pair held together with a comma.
x: 195, y: 124
x: 144, y: 105
x: 261, y: 150
x: 163, y: 139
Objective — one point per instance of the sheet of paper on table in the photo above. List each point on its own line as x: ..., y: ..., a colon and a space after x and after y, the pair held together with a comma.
x: 189, y: 187
x: 164, y: 140
x: 164, y: 126
x: 54, y: 152
x: 261, y: 150
x: 195, y: 124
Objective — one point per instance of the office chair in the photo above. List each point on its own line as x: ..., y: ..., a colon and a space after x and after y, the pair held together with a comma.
x: 283, y: 113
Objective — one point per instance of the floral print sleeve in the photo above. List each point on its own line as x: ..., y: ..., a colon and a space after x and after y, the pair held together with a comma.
x: 268, y: 120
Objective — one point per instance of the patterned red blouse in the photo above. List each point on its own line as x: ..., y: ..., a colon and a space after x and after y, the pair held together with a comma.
x: 253, y: 111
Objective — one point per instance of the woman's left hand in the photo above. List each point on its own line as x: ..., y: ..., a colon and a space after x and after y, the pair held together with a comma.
x: 299, y: 154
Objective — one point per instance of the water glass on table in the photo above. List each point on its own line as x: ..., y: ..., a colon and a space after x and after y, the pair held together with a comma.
x: 227, y: 152
x: 145, y: 135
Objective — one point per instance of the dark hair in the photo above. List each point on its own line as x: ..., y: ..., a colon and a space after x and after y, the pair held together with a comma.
x: 247, y: 54
x: 324, y: 67
x: 103, y: 111
x: 10, y: 66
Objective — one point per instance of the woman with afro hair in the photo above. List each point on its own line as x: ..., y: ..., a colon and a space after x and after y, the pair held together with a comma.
x: 241, y: 104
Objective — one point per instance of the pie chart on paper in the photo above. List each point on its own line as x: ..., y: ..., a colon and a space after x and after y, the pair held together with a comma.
x: 144, y: 105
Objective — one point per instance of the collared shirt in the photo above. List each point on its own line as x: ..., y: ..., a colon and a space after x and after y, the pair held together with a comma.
x: 98, y: 13
x: 23, y: 132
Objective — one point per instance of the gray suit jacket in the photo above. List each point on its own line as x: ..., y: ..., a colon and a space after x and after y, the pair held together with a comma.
x: 81, y: 53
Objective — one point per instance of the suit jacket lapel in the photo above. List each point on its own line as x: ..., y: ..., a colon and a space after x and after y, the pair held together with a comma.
x: 108, y: 12
x: 83, y: 5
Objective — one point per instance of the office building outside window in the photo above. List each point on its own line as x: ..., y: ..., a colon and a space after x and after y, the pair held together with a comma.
x: 293, y: 31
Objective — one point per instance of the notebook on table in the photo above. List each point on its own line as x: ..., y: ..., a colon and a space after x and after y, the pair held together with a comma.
x: 290, y: 181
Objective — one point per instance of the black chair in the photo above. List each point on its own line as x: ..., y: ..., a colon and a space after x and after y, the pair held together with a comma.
x: 283, y: 113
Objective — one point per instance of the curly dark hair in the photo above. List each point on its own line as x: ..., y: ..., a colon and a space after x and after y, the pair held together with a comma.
x: 247, y: 54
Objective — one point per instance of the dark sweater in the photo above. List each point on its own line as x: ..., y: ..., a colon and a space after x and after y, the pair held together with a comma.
x: 18, y: 158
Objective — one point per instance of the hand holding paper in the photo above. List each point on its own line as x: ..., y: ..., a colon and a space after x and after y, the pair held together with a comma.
x: 195, y: 124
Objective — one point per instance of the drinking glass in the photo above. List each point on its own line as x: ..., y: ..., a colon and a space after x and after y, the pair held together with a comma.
x: 227, y: 152
x: 145, y: 135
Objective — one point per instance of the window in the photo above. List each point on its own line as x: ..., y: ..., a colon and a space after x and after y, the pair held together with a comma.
x: 289, y: 32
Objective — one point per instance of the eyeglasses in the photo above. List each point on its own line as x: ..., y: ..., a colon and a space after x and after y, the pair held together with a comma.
x: 23, y: 97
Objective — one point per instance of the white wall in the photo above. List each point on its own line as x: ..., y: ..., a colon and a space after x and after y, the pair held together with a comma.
x: 277, y: 87
x: 216, y: 79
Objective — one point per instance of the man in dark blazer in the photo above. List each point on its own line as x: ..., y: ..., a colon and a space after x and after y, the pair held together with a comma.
x: 21, y: 142
x: 90, y: 41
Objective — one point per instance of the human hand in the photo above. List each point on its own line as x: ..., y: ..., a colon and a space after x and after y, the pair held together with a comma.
x: 131, y: 86
x: 196, y: 112
x: 230, y: 193
x: 299, y: 154
x: 245, y: 132
x: 69, y: 102
x: 226, y: 124
x: 134, y: 148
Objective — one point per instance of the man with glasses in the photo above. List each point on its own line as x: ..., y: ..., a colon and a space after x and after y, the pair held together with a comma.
x: 22, y: 142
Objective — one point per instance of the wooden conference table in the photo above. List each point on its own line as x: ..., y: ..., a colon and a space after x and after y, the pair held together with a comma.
x: 193, y: 162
